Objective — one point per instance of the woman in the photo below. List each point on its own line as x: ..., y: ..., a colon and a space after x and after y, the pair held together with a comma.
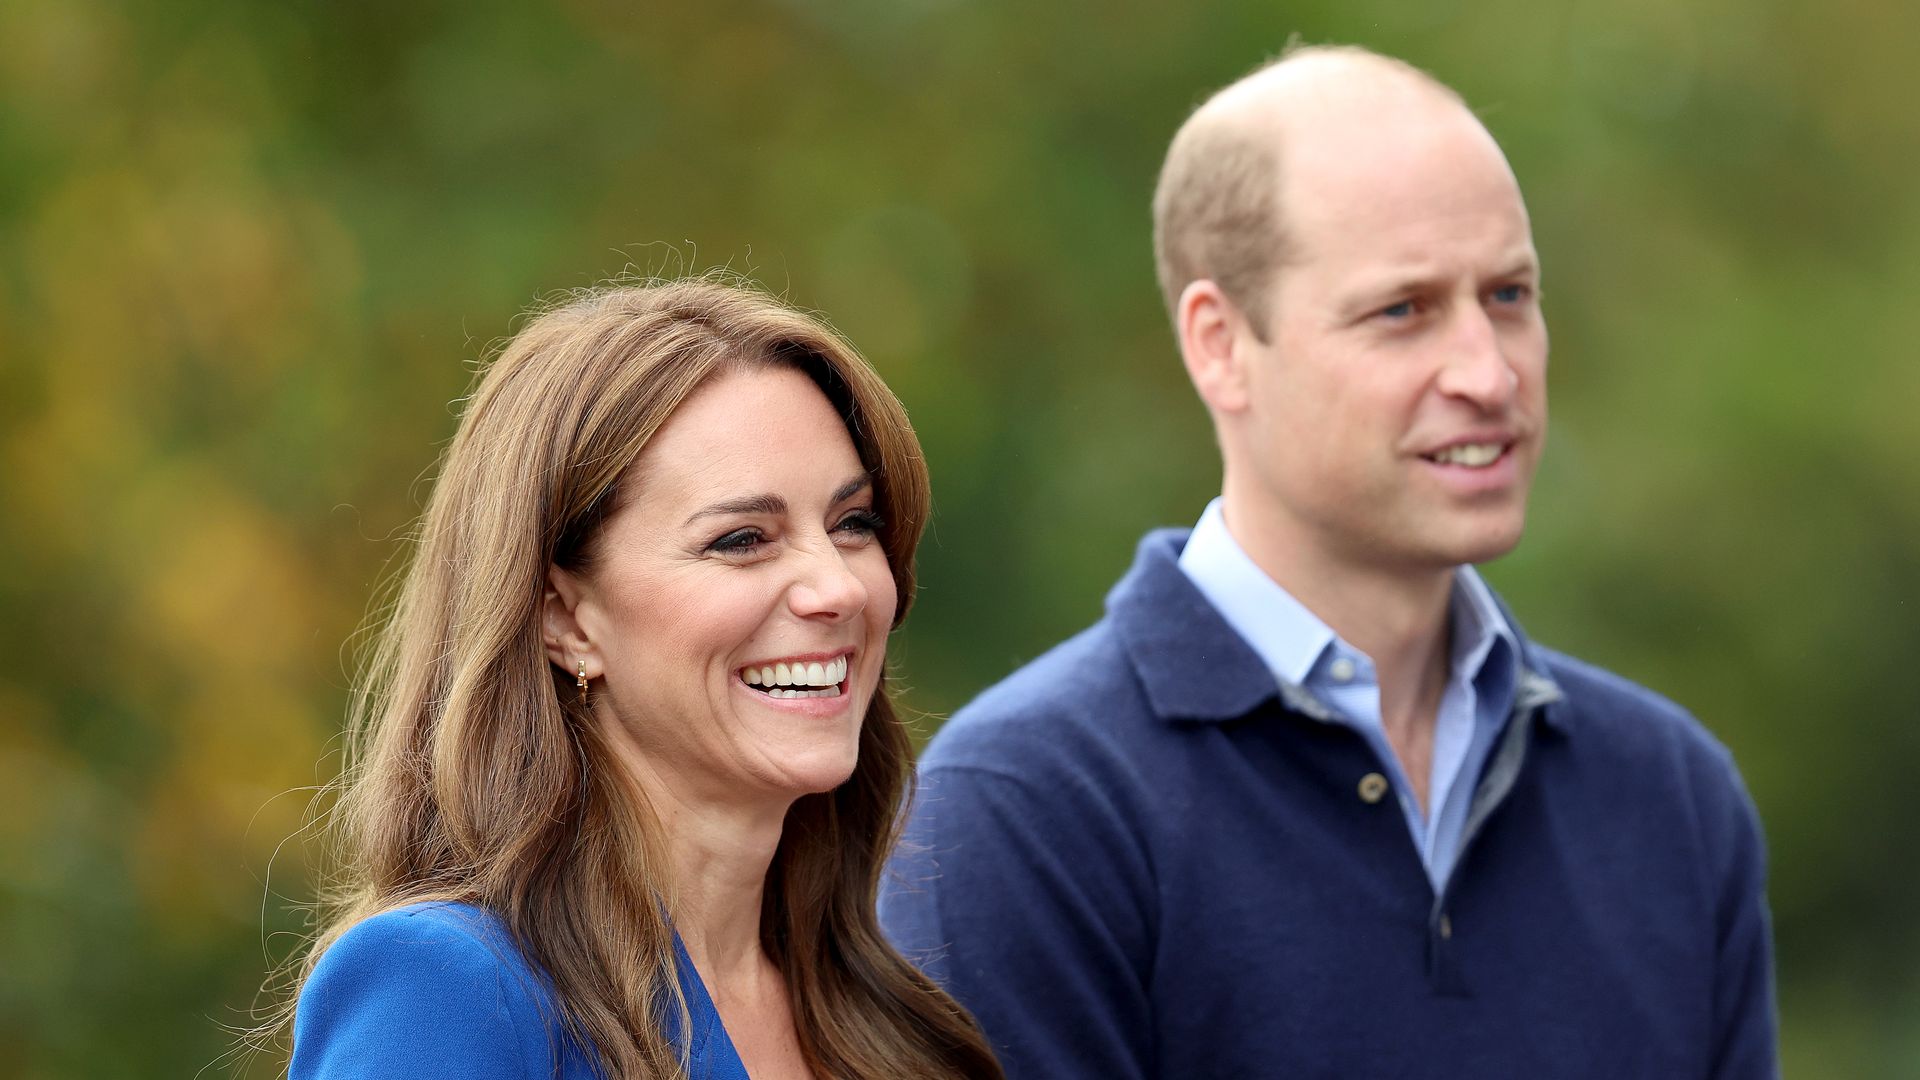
x: 626, y: 770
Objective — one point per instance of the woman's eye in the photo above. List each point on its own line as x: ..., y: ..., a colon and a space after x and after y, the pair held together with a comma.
x: 737, y: 542
x: 859, y: 523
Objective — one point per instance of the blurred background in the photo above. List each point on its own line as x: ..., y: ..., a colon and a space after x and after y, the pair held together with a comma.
x: 250, y: 253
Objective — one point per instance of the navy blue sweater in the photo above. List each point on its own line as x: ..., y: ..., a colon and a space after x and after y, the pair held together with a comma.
x: 1140, y: 857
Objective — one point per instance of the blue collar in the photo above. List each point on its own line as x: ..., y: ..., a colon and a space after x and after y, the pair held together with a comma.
x: 1196, y: 667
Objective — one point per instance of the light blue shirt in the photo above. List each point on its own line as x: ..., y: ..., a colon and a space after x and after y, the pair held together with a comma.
x: 1305, y: 653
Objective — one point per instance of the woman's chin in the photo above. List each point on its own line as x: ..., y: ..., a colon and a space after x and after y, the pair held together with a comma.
x: 823, y: 778
x: 794, y: 776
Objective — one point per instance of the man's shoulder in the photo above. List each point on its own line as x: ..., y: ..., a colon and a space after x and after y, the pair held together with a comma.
x: 1629, y: 720
x: 1080, y: 695
x: 1590, y: 686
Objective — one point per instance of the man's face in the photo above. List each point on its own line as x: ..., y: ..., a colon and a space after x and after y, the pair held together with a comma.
x: 1398, y: 406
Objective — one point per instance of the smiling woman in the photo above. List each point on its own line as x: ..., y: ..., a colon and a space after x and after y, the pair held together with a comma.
x: 752, y: 544
x: 624, y: 767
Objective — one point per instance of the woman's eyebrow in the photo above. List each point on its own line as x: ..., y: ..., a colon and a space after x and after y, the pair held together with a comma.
x: 774, y: 505
x: 851, y: 488
x: 749, y: 504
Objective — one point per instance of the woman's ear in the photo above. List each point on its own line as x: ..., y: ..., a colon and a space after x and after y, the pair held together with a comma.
x: 568, y: 645
x: 1211, y: 331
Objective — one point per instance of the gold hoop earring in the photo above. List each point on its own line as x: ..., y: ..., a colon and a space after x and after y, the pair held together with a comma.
x: 581, y: 680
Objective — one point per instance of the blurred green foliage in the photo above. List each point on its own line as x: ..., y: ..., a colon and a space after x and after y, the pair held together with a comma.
x: 249, y: 253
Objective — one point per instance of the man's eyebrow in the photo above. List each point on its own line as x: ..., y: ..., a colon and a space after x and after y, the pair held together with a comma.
x: 1409, y: 282
x: 1415, y: 280
x: 1522, y: 266
x: 1361, y: 297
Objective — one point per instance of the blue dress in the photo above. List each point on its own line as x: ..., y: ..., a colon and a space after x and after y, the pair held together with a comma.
x: 438, y: 991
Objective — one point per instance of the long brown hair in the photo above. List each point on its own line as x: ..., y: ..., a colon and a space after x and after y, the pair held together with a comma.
x: 475, y: 774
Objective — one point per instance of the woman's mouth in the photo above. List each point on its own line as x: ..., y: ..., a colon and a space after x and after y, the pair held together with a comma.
x: 798, y: 678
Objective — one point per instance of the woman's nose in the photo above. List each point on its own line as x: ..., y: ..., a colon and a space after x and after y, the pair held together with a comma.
x: 827, y: 587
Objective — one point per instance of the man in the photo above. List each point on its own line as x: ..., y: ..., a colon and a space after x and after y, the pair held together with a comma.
x: 1306, y: 802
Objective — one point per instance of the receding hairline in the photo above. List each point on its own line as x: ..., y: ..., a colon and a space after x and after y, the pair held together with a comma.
x: 1217, y: 207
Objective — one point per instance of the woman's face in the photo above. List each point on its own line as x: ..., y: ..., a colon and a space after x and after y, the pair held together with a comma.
x: 739, y: 603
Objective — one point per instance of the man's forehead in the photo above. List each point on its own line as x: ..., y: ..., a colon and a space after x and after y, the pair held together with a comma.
x: 1372, y: 178
x: 1406, y: 226
x: 1405, y: 196
x: 1363, y: 273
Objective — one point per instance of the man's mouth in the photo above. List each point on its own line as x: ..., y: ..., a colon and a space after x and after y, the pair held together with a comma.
x: 1469, y: 455
x: 798, y: 678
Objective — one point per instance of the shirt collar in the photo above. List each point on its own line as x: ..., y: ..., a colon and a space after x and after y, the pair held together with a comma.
x: 1193, y: 666
x: 1287, y: 637
x: 1291, y: 641
x: 1485, y: 650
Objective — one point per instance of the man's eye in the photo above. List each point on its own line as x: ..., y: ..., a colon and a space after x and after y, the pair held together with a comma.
x: 737, y: 542
x: 1510, y: 294
x: 1401, y: 310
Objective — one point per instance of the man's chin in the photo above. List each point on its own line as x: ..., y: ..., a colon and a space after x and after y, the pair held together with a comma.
x: 1468, y: 539
x: 1488, y: 543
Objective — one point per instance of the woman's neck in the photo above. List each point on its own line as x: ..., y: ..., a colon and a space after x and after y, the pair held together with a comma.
x: 719, y: 857
x: 718, y: 851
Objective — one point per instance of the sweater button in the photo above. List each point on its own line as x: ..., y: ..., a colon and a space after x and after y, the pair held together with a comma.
x: 1373, y: 787
x: 1446, y: 928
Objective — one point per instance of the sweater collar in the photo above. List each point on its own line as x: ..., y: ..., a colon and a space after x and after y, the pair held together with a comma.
x: 1195, y: 667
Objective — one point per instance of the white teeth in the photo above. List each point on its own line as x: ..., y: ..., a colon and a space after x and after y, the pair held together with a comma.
x: 828, y: 675
x: 1472, y: 455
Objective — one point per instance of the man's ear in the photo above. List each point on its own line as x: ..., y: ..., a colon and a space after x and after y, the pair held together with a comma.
x: 567, y: 642
x: 1213, y: 342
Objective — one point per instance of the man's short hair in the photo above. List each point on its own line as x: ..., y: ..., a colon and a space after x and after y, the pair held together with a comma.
x: 1216, y: 209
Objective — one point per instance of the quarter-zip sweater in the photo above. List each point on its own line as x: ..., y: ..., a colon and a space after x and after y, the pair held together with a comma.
x: 1143, y: 856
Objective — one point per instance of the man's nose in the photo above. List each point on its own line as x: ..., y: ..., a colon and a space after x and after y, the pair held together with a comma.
x: 826, y: 587
x: 1477, y: 368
